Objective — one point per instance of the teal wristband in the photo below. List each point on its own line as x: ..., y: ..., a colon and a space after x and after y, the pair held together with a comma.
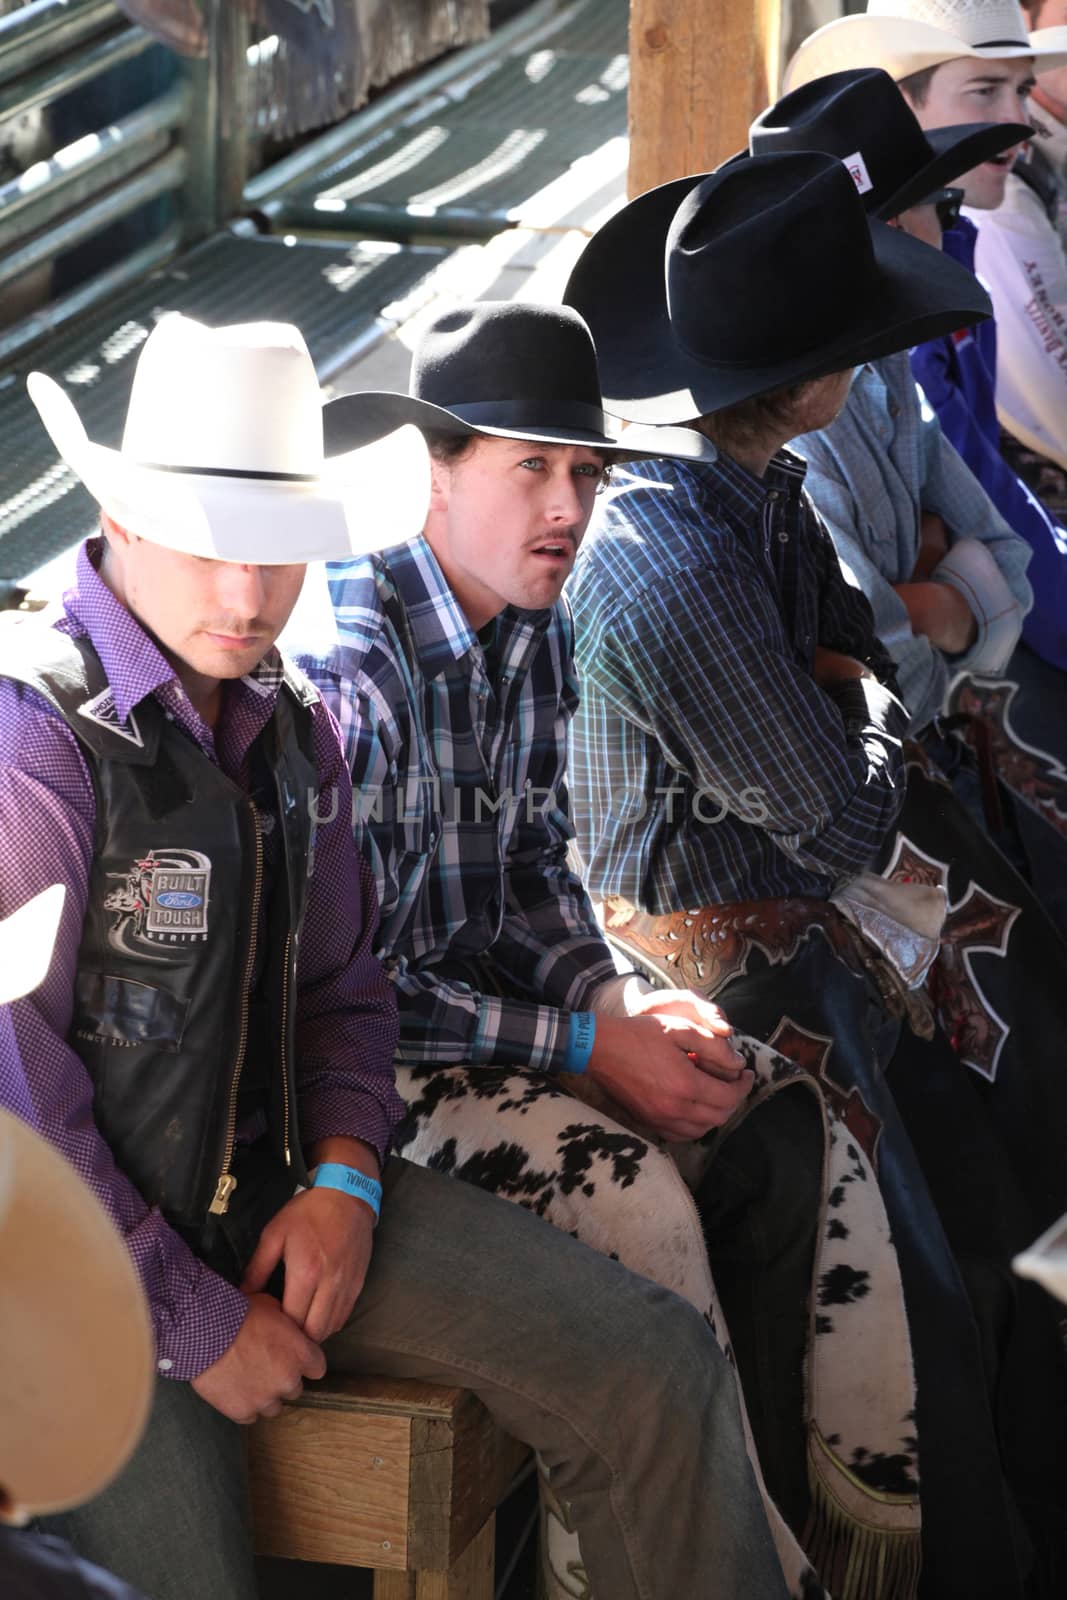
x: 580, y: 1036
x: 332, y: 1175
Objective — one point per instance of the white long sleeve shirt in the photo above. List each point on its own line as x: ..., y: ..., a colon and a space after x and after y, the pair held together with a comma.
x: 1022, y: 261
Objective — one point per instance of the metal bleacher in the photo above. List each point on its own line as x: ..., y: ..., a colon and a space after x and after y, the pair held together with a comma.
x: 146, y: 205
x: 468, y: 159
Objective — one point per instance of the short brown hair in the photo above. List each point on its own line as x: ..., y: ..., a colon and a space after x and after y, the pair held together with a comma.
x: 448, y: 447
x: 917, y: 84
x: 749, y: 421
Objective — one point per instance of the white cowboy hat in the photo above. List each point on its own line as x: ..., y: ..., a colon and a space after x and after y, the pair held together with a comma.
x: 1046, y: 1260
x: 906, y: 36
x: 222, y: 455
x: 76, y: 1348
x: 26, y: 940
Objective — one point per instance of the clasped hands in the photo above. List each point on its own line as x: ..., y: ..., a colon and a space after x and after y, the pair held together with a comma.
x: 323, y: 1237
x: 671, y: 1064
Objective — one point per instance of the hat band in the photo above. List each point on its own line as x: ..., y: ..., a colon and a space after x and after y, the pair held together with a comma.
x: 531, y: 414
x: 994, y: 44
x: 232, y: 472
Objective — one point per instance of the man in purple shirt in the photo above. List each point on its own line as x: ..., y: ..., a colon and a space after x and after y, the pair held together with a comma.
x: 215, y: 1034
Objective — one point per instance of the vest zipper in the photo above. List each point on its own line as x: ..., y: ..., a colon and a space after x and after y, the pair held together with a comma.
x: 285, y: 1062
x: 227, y: 1182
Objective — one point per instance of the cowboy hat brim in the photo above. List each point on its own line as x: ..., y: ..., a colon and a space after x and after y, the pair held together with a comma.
x: 361, y: 501
x: 957, y: 150
x: 903, y: 46
x: 355, y: 420
x: 648, y: 375
x: 1046, y: 1260
x: 27, y: 937
x: 77, y: 1366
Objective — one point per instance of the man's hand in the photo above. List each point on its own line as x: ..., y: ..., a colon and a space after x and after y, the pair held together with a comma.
x: 694, y: 1008
x: 324, y: 1237
x: 265, y: 1364
x: 940, y: 613
x: 679, y: 1077
x: 832, y: 667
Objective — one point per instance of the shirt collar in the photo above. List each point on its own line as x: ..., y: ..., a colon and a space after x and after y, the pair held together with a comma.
x: 785, y: 472
x: 439, y: 629
x: 133, y: 663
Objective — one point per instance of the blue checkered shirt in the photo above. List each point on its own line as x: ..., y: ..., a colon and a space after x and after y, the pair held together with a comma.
x: 457, y: 745
x: 871, y: 474
x: 707, y: 765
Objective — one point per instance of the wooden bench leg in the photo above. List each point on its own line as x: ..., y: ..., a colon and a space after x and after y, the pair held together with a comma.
x: 470, y: 1578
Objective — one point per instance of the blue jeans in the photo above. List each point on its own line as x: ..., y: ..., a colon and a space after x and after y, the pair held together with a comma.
x: 616, y: 1382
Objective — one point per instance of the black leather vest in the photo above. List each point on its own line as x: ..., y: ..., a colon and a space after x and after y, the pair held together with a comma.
x: 162, y: 1001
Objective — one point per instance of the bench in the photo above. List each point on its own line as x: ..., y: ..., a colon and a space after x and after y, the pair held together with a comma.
x: 400, y: 1477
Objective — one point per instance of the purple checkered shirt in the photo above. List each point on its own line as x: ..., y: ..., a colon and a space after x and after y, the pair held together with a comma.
x: 346, y: 1025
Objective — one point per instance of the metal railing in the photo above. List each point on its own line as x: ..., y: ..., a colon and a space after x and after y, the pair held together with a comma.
x: 132, y: 141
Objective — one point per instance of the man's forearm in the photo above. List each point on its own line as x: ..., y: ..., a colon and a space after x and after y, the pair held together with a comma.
x: 347, y: 1153
x: 875, y: 722
x: 941, y: 614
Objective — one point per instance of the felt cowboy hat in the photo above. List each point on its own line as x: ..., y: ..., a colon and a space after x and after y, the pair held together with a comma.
x: 76, y: 1350
x: 906, y: 36
x: 222, y: 454
x: 509, y: 370
x: 712, y: 289
x: 862, y: 118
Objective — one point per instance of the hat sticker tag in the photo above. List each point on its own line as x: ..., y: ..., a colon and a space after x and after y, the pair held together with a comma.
x: 857, y: 171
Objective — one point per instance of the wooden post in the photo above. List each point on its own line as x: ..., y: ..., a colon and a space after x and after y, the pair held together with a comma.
x: 471, y: 1578
x: 700, y: 71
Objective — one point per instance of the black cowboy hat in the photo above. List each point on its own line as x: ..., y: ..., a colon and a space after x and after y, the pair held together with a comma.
x: 862, y: 118
x: 714, y: 288
x: 510, y: 370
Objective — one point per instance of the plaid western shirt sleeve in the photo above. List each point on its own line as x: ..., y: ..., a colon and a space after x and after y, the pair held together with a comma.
x: 548, y: 945
x: 692, y: 657
x: 820, y: 773
x: 549, y: 942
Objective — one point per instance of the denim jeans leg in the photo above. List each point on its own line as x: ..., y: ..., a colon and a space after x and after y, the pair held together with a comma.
x: 175, y: 1522
x: 617, y: 1383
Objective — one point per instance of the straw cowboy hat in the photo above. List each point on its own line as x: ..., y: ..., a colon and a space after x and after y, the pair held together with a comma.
x: 222, y: 454
x: 1046, y: 1260
x: 512, y: 371
x: 76, y: 1349
x: 906, y: 36
x: 26, y: 940
x: 715, y: 288
x: 862, y: 118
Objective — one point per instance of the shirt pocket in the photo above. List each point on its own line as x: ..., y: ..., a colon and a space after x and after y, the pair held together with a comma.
x: 109, y: 1010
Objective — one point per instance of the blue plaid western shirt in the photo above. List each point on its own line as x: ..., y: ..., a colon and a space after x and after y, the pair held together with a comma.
x: 457, y: 745
x: 707, y: 765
